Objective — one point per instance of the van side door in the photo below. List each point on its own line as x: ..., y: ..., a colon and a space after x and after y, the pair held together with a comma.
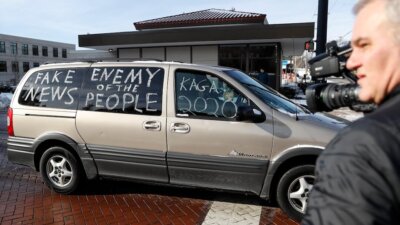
x: 122, y: 119
x: 207, y: 146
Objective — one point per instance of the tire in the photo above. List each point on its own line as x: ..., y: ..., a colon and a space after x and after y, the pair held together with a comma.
x: 60, y: 170
x: 293, y: 190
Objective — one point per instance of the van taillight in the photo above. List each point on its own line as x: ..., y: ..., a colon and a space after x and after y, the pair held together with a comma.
x: 10, y: 127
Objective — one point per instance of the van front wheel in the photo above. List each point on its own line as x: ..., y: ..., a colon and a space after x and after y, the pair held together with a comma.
x: 60, y: 170
x: 293, y: 190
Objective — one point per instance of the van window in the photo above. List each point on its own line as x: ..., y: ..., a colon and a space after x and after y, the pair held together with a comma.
x: 202, y: 95
x: 133, y: 90
x: 57, y: 88
x: 269, y: 96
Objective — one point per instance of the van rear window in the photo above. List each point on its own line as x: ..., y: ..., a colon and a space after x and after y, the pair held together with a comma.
x: 53, y: 88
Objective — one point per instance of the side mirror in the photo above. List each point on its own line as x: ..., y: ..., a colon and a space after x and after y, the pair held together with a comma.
x: 248, y: 113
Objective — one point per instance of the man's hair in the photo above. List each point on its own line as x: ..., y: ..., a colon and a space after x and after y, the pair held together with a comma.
x: 392, y: 12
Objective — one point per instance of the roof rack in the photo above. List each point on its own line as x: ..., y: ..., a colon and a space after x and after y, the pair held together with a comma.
x: 105, y: 60
x: 128, y: 59
x: 71, y: 61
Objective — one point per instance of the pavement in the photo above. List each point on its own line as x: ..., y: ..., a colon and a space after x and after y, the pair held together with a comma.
x: 25, y: 199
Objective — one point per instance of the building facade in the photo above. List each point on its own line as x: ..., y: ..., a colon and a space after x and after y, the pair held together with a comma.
x: 229, y: 38
x: 19, y: 54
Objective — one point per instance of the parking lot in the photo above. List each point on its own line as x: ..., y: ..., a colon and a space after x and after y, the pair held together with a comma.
x: 25, y: 199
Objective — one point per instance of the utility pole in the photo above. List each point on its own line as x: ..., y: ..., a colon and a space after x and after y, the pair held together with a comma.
x: 322, y: 25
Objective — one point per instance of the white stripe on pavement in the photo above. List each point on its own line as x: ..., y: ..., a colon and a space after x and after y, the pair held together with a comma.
x: 224, y: 213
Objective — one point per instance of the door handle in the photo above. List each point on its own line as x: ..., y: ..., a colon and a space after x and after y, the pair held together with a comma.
x: 181, y: 128
x: 152, y: 125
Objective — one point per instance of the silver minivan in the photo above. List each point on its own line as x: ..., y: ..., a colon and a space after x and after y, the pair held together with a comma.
x: 166, y: 122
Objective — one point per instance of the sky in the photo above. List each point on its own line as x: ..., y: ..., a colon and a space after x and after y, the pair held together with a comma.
x: 64, y: 20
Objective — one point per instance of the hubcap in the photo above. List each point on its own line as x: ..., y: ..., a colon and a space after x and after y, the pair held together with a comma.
x: 59, y: 170
x: 299, y: 190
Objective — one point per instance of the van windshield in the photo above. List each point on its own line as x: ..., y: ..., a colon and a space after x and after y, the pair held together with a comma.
x: 269, y: 96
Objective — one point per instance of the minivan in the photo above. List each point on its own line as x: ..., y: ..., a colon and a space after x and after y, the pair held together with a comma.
x: 166, y: 122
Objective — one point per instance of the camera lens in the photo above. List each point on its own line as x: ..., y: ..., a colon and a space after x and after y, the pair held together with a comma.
x: 335, y: 96
x: 327, y: 97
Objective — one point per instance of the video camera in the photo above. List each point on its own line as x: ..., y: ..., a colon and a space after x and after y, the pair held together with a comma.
x: 327, y: 97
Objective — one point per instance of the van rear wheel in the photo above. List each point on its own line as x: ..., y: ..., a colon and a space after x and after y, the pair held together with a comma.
x: 60, y: 170
x: 293, y: 190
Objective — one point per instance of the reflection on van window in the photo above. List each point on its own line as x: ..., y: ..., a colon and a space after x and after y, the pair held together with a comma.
x: 52, y: 89
x: 266, y: 94
x: 199, y: 94
x: 133, y: 90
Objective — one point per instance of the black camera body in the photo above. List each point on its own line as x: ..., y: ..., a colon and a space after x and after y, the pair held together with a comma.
x: 329, y: 96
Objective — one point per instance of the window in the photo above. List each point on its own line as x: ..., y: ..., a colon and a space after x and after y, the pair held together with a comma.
x: 35, y: 64
x: 14, y: 49
x: 269, y: 96
x: 25, y: 50
x: 55, y: 52
x: 233, y: 56
x: 25, y: 66
x: 201, y: 95
x: 3, y: 66
x: 64, y: 53
x: 45, y: 51
x: 250, y: 58
x: 2, y: 47
x: 52, y: 88
x: 15, y: 66
x: 35, y: 50
x: 262, y: 57
x: 132, y: 90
